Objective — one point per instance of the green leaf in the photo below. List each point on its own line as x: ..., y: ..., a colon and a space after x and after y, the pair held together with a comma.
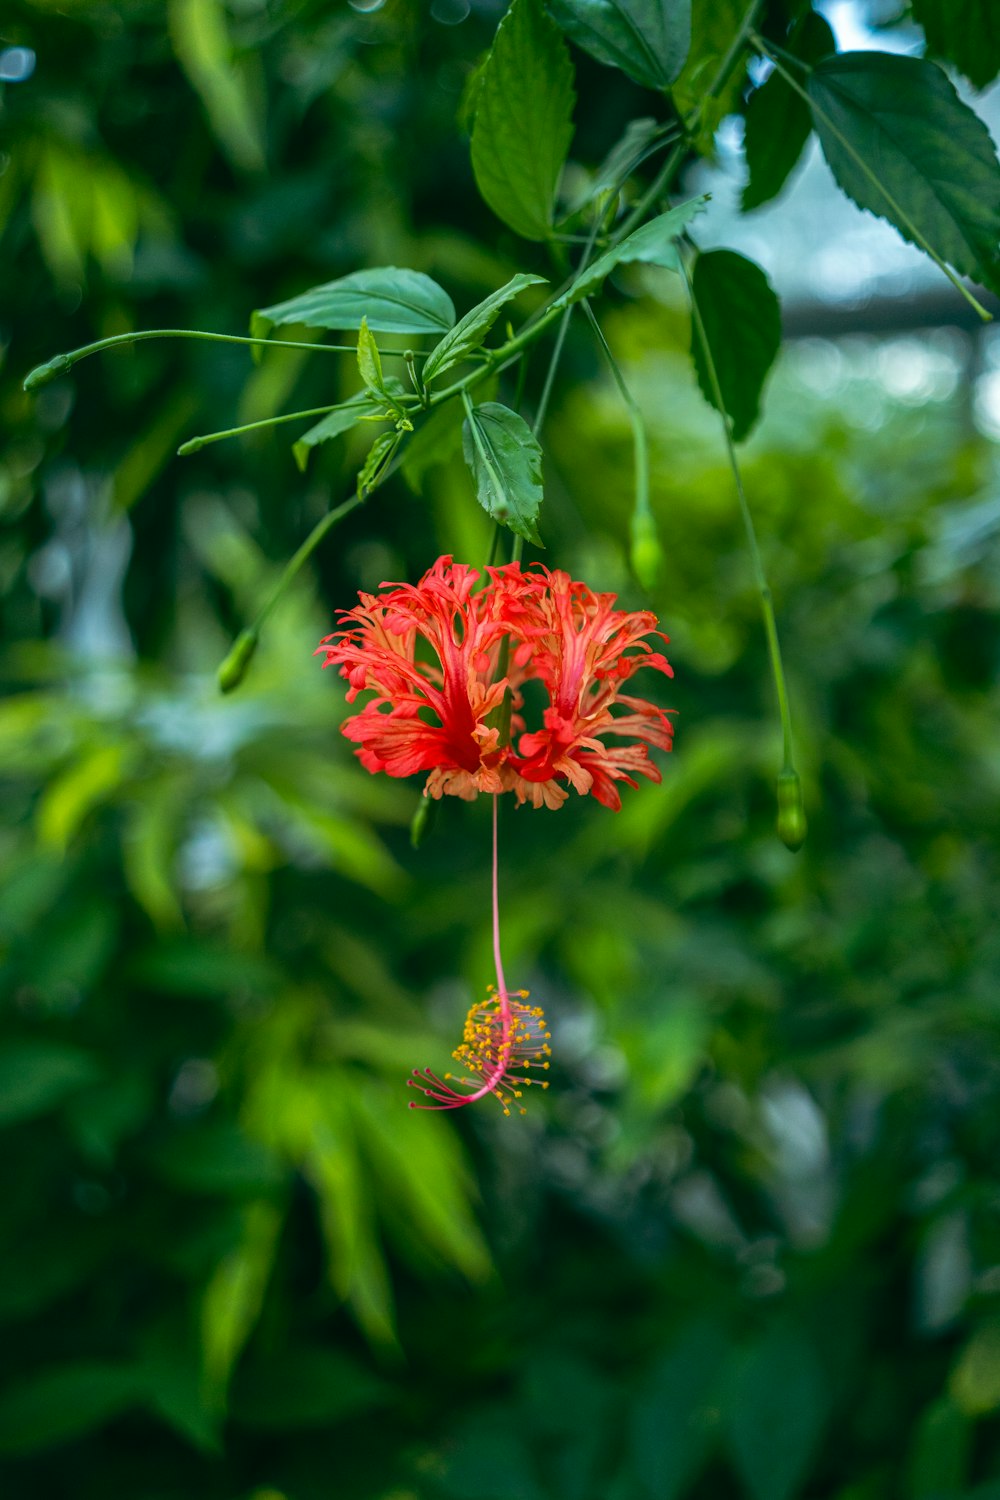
x: 715, y: 29
x: 778, y: 1406
x: 975, y: 1380
x: 469, y: 332
x: 523, y: 121
x: 199, y: 32
x: 902, y: 144
x: 672, y: 1420
x: 88, y: 782
x: 36, y: 1076
x: 379, y: 455
x: 647, y: 39
x: 506, y: 463
x: 778, y: 120
x: 304, y: 1387
x: 362, y: 407
x: 653, y: 243
x: 965, y: 33
x: 369, y: 360
x: 392, y: 301
x: 940, y: 1451
x: 741, y: 318
x: 64, y: 1401
x: 234, y: 1296
x: 620, y: 160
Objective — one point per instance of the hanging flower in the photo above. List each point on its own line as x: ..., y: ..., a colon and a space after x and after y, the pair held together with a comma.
x: 447, y: 665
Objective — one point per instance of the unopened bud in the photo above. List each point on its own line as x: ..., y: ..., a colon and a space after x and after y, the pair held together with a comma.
x: 646, y: 552
x: 792, y: 825
x: 423, y: 820
x: 233, y: 670
x: 42, y: 374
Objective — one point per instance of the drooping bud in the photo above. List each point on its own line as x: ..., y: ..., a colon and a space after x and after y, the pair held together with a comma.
x: 792, y: 825
x: 42, y: 374
x: 233, y: 670
x: 646, y: 552
x: 423, y: 820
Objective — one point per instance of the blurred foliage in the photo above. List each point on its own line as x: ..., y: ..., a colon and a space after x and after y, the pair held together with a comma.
x: 749, y: 1242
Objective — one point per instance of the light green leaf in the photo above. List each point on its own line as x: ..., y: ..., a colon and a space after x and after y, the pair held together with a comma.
x: 369, y: 360
x: 379, y: 454
x: 965, y: 33
x: 469, y: 332
x: 506, y: 463
x: 391, y: 300
x: 647, y: 39
x: 523, y: 123
x: 64, y: 1401
x: 778, y: 1406
x: 200, y: 39
x: 778, y: 120
x: 362, y: 407
x: 975, y: 1380
x: 741, y: 319
x: 233, y: 1297
x: 902, y: 144
x: 68, y: 799
x: 36, y: 1076
x: 620, y: 159
x: 653, y: 243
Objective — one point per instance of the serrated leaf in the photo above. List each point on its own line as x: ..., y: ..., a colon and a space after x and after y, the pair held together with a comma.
x: 901, y: 144
x: 965, y: 33
x: 362, y: 407
x: 392, y: 301
x: 653, y: 243
x: 715, y: 29
x: 778, y: 119
x: 741, y: 318
x: 506, y: 463
x: 523, y: 123
x: 469, y: 332
x: 647, y: 39
x: 777, y: 1409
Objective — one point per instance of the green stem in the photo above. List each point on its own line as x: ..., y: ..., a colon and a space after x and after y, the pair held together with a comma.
x: 61, y: 363
x: 760, y: 577
x: 639, y: 437
x: 193, y: 445
x: 902, y: 217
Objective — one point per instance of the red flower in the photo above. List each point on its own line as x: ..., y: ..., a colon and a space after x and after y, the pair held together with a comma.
x: 440, y: 659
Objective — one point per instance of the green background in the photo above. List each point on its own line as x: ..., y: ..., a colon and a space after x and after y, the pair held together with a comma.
x: 748, y: 1242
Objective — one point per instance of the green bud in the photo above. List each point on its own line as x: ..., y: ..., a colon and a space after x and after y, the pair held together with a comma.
x: 646, y: 554
x: 423, y: 820
x: 233, y: 670
x: 193, y: 445
x: 42, y: 374
x: 792, y: 825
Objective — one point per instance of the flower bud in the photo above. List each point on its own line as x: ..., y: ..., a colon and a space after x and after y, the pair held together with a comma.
x: 42, y: 374
x: 792, y: 825
x: 646, y: 552
x: 423, y: 820
x: 233, y: 670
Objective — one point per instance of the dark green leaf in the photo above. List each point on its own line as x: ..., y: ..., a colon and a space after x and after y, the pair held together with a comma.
x: 653, y: 243
x: 742, y: 324
x: 616, y: 166
x: 523, y: 120
x: 469, y: 332
x: 940, y: 1451
x: 506, y: 463
x: 778, y: 1405
x: 304, y: 1388
x: 647, y: 39
x: 902, y: 144
x: 715, y: 29
x: 392, y: 300
x: 362, y: 407
x: 36, y: 1076
x: 63, y: 1402
x: 216, y: 1159
x: 963, y: 32
x: 672, y: 1419
x: 778, y: 120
